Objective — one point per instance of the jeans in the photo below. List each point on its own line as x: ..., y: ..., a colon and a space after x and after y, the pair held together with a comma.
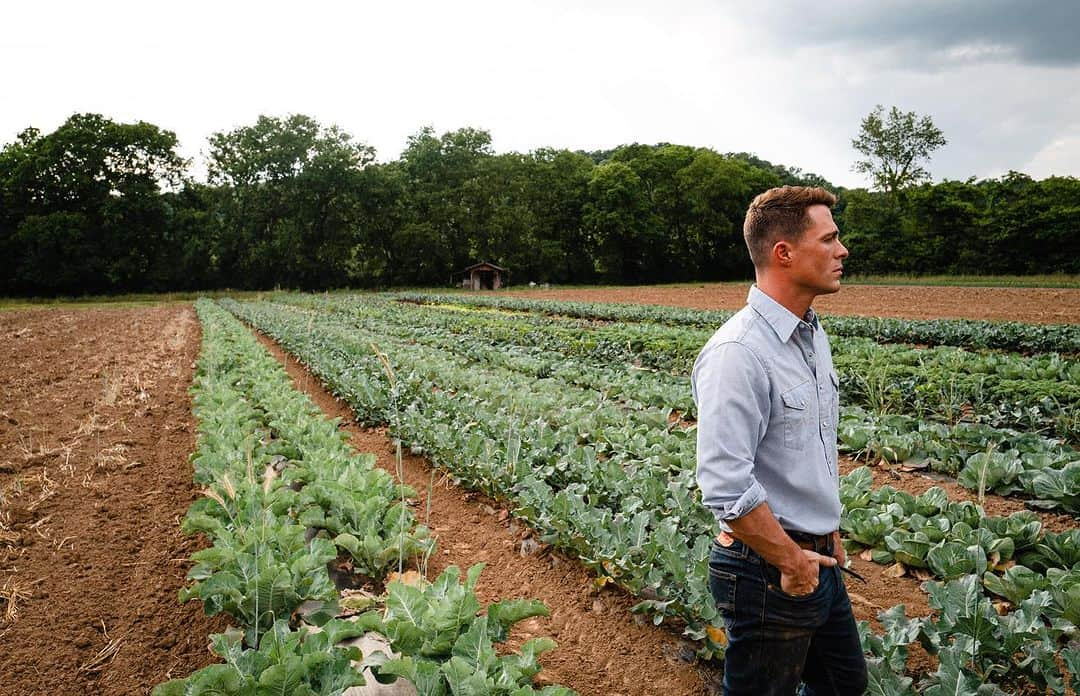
x: 776, y: 640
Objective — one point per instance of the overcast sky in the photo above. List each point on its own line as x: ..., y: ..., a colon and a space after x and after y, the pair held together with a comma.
x: 787, y: 81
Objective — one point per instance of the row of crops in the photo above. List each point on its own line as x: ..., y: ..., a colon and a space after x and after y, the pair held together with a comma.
x: 1010, y: 420
x: 583, y: 427
x: 285, y: 500
x: 1003, y: 422
x: 1007, y: 335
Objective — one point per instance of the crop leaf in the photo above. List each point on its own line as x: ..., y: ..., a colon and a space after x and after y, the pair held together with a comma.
x: 883, y: 681
x: 992, y: 471
x: 953, y: 559
x: 287, y: 662
x: 502, y: 615
x: 424, y: 674
x: 1016, y: 584
x: 954, y: 678
x: 1061, y: 486
x: 909, y: 548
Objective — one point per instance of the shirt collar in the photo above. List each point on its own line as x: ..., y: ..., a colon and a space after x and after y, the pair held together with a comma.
x: 779, y: 317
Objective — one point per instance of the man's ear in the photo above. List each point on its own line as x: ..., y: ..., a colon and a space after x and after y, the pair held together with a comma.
x: 781, y: 253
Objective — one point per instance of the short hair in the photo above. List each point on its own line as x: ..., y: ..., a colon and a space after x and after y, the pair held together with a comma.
x: 780, y: 213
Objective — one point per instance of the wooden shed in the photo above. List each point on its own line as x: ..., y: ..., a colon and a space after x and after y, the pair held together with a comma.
x: 481, y: 276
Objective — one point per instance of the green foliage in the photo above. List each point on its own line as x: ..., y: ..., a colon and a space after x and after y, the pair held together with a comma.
x: 81, y: 208
x: 288, y: 190
x: 973, y: 334
x: 260, y: 573
x: 361, y: 510
x: 992, y: 471
x: 1054, y: 550
x: 298, y: 663
x: 986, y: 459
x: 894, y: 146
x: 632, y: 517
x: 976, y: 646
x: 263, y: 563
x: 531, y: 410
x: 447, y: 648
x: 1011, y: 224
x: 98, y: 206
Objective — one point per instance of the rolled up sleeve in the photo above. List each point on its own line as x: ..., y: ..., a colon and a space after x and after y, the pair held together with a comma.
x: 731, y: 390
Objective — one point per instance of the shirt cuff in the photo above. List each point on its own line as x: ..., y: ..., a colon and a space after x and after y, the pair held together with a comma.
x: 750, y: 499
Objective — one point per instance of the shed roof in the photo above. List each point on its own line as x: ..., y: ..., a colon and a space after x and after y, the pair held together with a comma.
x: 483, y: 264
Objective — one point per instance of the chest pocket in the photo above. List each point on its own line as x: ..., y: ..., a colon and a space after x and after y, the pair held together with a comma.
x: 799, y: 414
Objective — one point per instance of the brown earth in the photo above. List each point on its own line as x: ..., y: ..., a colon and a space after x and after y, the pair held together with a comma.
x: 95, y: 433
x: 1037, y: 305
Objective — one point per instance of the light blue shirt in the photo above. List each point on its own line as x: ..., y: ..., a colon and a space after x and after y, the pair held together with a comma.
x: 768, y: 401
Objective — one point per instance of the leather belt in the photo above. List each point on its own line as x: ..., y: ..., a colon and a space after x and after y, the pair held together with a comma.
x: 819, y: 543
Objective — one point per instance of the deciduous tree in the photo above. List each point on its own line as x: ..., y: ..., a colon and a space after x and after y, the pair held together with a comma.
x: 894, y: 147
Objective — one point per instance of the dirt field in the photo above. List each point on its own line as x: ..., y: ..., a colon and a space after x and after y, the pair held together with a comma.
x: 95, y: 433
x: 1038, y: 305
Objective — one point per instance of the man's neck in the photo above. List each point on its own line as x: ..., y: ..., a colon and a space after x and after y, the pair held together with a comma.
x: 792, y: 299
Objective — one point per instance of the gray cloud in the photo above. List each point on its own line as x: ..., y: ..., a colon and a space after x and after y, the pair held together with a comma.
x: 932, y: 34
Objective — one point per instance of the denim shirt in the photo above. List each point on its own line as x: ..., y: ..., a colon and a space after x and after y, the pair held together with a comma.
x: 768, y: 401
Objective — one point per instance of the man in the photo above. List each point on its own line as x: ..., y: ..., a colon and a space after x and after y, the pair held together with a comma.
x: 767, y: 402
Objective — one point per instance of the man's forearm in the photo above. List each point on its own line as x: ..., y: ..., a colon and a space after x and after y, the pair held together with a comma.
x: 759, y: 530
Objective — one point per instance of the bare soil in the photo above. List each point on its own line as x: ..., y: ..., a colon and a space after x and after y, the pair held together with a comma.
x: 1036, y: 305
x: 95, y: 433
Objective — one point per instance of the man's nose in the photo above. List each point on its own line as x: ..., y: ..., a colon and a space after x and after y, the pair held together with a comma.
x: 843, y: 250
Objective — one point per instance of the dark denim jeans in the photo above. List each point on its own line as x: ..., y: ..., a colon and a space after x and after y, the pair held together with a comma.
x: 775, y: 640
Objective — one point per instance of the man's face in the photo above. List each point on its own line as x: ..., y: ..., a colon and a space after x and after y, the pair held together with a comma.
x: 817, y: 258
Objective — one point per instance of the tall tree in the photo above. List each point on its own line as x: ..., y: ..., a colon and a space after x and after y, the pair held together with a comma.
x: 894, y: 147
x: 81, y: 208
x: 618, y: 217
x: 718, y: 189
x: 290, y: 187
x: 558, y: 192
x: 450, y: 194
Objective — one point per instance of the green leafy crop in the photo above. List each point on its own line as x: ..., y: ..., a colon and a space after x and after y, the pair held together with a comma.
x: 297, y: 663
x: 448, y: 647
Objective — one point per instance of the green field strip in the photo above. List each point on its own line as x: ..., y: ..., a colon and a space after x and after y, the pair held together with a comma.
x: 1062, y: 338
x: 945, y: 384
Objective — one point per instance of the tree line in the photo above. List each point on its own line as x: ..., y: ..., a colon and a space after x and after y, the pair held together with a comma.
x: 104, y: 207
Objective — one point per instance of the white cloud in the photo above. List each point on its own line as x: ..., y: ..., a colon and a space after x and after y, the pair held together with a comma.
x: 1060, y: 157
x: 559, y: 74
